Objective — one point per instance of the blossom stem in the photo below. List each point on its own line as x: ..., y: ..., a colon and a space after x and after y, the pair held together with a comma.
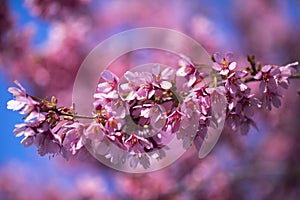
x: 78, y: 116
x: 84, y: 117
x: 215, y: 81
x: 37, y: 98
x: 204, y: 66
x: 295, y: 76
x: 64, y: 114
x: 251, y: 60
x: 250, y: 80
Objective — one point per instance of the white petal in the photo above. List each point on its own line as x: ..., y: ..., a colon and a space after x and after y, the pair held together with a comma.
x: 104, y: 87
x: 129, y: 96
x: 15, y: 91
x: 166, y: 85
x: 129, y: 76
x: 35, y: 116
x: 192, y: 81
x: 15, y: 105
x: 112, y: 95
x: 108, y: 76
x: 151, y: 93
x: 125, y: 87
x: 232, y: 66
x: 19, y: 129
x: 145, y: 113
x: 19, y: 84
x: 181, y: 71
x: 243, y: 87
x: 99, y: 95
x: 224, y: 72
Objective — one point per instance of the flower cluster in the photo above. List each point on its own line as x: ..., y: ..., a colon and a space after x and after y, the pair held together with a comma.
x: 271, y: 77
x: 136, y: 116
x: 53, y: 130
x: 241, y: 103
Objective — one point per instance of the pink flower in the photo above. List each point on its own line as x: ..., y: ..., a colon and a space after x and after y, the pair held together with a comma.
x: 188, y: 70
x: 44, y: 127
x: 186, y: 67
x: 138, y: 144
x: 241, y: 104
x: 267, y: 75
x: 234, y: 84
x: 162, y: 79
x: 271, y: 77
x: 174, y: 120
x: 22, y: 102
x: 285, y: 72
x: 69, y: 135
x: 224, y: 64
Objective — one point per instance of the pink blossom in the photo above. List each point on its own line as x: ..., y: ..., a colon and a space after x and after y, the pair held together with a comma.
x: 224, y: 65
x: 136, y: 116
x: 22, y: 102
x: 270, y: 78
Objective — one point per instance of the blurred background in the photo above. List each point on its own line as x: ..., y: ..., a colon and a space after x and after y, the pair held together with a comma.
x: 43, y: 43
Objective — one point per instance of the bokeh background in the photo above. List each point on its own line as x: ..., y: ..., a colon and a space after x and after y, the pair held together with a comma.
x: 43, y: 43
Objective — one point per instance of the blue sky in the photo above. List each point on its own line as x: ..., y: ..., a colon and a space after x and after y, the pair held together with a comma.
x: 11, y: 149
x: 13, y: 154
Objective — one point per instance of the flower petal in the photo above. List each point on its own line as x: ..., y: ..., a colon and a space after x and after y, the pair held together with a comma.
x: 15, y: 105
x: 109, y: 76
x: 232, y: 66
x: 218, y: 57
x: 156, y: 70
x: 166, y: 85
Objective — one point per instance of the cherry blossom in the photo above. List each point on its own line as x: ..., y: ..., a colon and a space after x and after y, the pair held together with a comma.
x: 45, y: 126
x: 271, y: 77
x: 135, y: 116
